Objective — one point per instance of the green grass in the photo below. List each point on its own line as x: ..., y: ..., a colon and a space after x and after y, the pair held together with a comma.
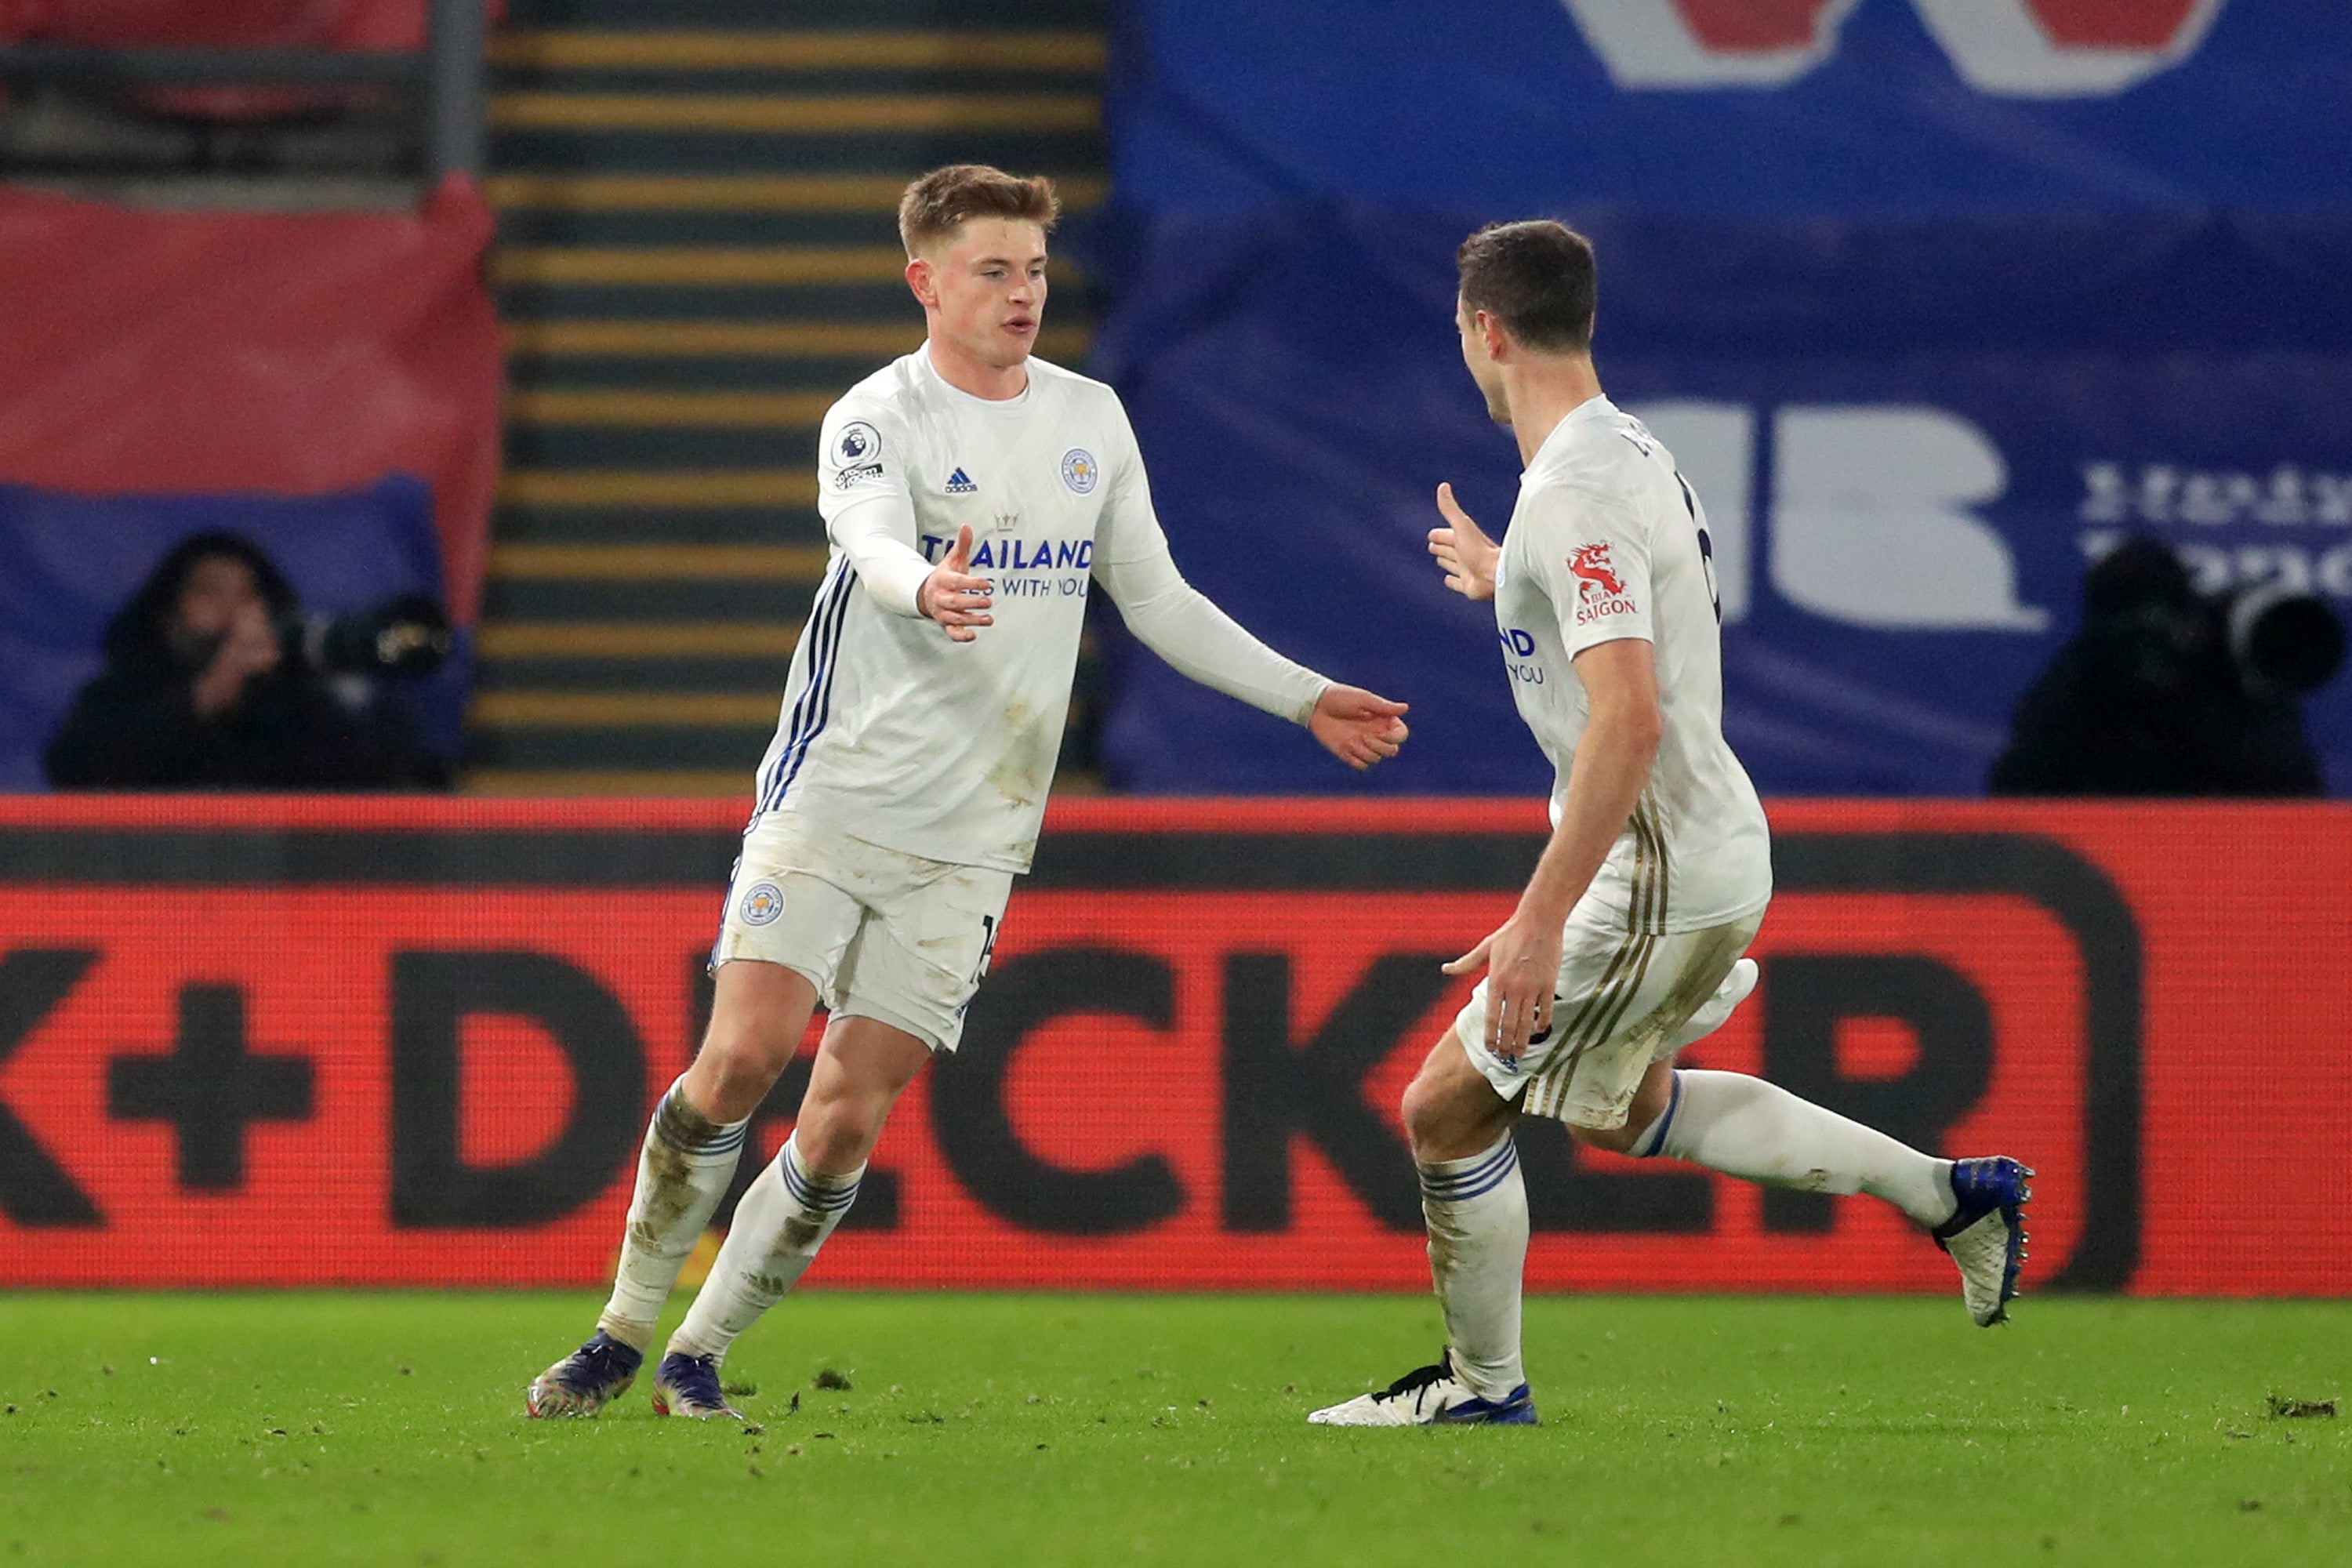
x: 1049, y: 1429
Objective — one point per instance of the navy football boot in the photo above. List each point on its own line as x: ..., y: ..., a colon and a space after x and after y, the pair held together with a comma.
x: 587, y: 1380
x: 688, y: 1385
x: 1985, y: 1236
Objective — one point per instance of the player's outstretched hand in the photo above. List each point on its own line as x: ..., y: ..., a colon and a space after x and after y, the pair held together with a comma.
x: 953, y: 596
x: 1466, y: 555
x: 1357, y: 727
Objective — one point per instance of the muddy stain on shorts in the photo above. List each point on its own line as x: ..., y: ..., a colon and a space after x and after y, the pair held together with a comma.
x: 1703, y: 974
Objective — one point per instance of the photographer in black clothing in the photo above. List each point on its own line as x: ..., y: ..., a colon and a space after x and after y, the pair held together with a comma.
x: 2165, y: 692
x: 206, y: 686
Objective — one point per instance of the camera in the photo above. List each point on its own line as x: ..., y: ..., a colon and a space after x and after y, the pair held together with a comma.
x: 2283, y: 642
x: 408, y: 635
x: 2155, y: 633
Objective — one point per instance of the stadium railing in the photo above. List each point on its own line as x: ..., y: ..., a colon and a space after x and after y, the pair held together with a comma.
x: 447, y: 76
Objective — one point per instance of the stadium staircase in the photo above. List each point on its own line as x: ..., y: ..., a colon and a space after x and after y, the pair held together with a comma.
x: 697, y: 253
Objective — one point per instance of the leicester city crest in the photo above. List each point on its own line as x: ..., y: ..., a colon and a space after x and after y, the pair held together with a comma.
x: 1079, y: 469
x: 857, y: 443
x: 763, y: 902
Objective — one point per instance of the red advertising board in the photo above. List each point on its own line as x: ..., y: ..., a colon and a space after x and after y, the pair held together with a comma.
x: 416, y: 1042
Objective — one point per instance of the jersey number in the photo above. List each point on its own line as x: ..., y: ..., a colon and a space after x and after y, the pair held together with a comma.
x: 987, y: 947
x: 1705, y: 546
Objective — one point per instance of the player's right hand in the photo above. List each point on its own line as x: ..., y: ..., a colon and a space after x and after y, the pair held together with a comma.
x: 250, y: 649
x: 1465, y: 553
x: 953, y: 597
x: 1521, y: 958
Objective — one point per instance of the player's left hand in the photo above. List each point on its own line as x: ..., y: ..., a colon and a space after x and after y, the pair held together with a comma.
x: 1357, y: 727
x: 1521, y: 958
x: 1464, y: 552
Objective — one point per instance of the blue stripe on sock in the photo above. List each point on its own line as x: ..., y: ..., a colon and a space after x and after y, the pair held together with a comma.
x: 1658, y: 1138
x: 726, y: 1139
x: 1506, y: 1149
x: 1482, y: 1189
x: 1443, y: 1184
x: 1473, y: 1183
x: 824, y: 1200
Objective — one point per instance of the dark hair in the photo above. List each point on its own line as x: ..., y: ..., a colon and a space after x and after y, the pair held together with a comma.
x: 1537, y: 277
x: 945, y: 199
x: 138, y: 626
x: 2139, y: 574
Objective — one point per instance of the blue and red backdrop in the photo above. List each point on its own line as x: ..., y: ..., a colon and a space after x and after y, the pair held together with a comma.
x: 1933, y: 299
x: 326, y: 383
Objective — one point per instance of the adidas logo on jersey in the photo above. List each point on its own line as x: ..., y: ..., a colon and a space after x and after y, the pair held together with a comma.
x: 959, y: 484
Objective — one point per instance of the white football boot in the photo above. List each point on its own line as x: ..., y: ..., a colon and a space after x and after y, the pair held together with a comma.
x: 1431, y: 1397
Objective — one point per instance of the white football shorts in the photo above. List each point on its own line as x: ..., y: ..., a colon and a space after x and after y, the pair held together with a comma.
x: 881, y: 934
x: 1622, y: 1001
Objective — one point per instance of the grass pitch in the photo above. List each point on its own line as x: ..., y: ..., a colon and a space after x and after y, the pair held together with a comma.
x: 269, y: 1429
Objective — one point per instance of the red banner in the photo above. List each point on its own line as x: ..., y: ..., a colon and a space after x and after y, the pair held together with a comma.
x: 174, y: 352
x: 264, y: 1042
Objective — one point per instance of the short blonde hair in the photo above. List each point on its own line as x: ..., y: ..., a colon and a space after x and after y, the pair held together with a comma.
x: 944, y: 200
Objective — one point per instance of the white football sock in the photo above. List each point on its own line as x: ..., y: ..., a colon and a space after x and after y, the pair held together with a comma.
x: 785, y: 1216
x: 682, y: 1174
x: 1477, y: 1214
x: 1758, y: 1132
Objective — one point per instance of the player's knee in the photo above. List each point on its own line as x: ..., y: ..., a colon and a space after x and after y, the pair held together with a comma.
x: 742, y: 1064
x: 835, y: 1132
x: 1428, y: 1119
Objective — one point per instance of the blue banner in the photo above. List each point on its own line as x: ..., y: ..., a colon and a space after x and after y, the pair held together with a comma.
x: 1928, y: 332
x: 1837, y: 109
x: 69, y: 562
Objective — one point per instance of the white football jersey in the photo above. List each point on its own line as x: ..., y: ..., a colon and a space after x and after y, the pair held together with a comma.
x: 893, y: 732
x: 1607, y: 541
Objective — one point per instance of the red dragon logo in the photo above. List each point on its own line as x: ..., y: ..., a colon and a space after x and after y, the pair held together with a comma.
x: 1595, y: 573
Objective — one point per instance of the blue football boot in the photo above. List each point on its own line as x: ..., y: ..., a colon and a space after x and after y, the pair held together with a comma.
x: 688, y: 1385
x: 587, y: 1380
x: 1985, y: 1236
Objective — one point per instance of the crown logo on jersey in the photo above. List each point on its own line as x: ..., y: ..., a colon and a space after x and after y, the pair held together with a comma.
x: 1006, y: 522
x: 959, y: 484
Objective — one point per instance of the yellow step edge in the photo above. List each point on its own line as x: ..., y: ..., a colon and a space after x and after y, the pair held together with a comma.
x: 827, y: 115
x: 667, y: 709
x: 569, y: 50
x: 685, y: 487
x: 814, y: 339
x: 733, y: 193
x: 636, y: 639
x: 785, y: 264
x: 772, y: 410
x: 626, y: 563
x: 608, y: 781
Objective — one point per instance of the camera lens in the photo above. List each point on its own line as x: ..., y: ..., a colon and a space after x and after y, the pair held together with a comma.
x: 2288, y: 643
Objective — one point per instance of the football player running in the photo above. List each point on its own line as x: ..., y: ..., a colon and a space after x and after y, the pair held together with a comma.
x: 972, y: 493
x: 1626, y: 944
